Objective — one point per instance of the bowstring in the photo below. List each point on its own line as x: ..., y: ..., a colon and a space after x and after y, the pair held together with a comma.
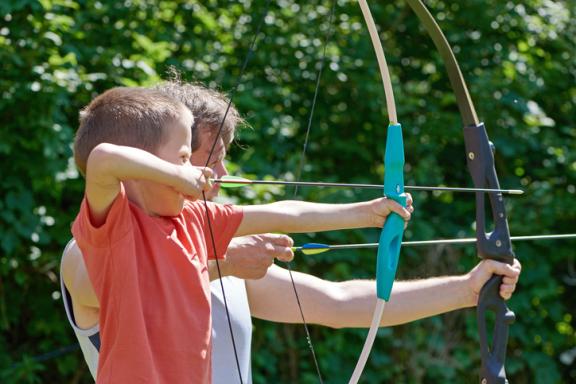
x: 212, y: 149
x: 299, y: 174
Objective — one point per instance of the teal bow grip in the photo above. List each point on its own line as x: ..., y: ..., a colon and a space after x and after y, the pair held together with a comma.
x: 388, y: 255
x: 391, y: 235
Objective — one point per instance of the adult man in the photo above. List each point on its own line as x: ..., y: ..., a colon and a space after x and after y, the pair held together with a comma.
x: 255, y: 287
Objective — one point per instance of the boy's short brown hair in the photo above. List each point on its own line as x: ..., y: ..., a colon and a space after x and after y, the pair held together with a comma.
x: 208, y: 107
x: 134, y: 117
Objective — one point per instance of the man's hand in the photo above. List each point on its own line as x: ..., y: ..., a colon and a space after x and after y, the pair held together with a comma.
x: 249, y: 257
x: 478, y: 276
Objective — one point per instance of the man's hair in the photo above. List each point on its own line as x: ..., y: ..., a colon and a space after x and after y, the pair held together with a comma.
x: 134, y: 117
x: 208, y: 107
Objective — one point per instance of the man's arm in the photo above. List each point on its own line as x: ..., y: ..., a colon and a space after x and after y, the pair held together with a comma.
x: 84, y: 301
x: 351, y: 303
x: 302, y: 217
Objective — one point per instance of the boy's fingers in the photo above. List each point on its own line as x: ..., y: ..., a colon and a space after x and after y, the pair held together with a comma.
x: 409, y: 203
x: 409, y: 200
x: 397, y: 208
x: 207, y: 172
x: 208, y: 185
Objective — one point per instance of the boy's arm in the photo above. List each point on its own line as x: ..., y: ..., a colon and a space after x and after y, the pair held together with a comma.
x: 109, y: 164
x: 351, y: 303
x: 302, y: 217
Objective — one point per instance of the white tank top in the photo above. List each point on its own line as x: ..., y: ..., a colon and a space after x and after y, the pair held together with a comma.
x: 224, y: 369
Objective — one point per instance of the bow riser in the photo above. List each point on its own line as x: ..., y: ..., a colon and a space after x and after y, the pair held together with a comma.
x: 495, y: 245
x: 493, y: 370
x: 480, y: 158
x: 391, y: 235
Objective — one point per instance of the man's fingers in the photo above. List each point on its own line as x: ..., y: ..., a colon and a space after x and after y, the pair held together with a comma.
x: 278, y: 246
x: 284, y: 253
x: 279, y: 252
x: 509, y: 280
x: 506, y: 291
x: 508, y: 288
x: 510, y: 275
x: 505, y: 295
x: 517, y: 266
x: 503, y: 269
x: 278, y: 239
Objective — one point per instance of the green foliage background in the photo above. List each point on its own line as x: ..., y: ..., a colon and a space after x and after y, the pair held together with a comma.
x: 518, y: 59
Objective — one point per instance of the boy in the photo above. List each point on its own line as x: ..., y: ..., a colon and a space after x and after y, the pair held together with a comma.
x: 146, y: 243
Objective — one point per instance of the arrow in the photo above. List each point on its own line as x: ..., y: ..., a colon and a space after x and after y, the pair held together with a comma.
x: 237, y: 182
x: 317, y: 248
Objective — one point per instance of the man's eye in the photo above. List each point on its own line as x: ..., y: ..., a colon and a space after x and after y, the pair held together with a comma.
x: 184, y: 159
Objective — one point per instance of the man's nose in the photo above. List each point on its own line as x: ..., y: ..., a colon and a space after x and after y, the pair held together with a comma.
x: 221, y: 170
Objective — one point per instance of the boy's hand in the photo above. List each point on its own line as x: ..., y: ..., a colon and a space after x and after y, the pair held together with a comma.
x: 192, y: 181
x: 382, y: 207
x: 478, y: 276
x: 249, y: 257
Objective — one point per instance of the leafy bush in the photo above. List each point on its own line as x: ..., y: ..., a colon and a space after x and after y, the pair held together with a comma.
x: 518, y: 60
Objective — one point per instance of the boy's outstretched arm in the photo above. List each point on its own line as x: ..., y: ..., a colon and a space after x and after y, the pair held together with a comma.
x: 301, y: 216
x: 109, y: 164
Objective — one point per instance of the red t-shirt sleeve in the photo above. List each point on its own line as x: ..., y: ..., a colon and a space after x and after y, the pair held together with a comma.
x: 96, y: 242
x: 224, y: 221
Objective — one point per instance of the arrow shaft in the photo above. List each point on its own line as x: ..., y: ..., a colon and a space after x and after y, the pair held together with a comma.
x: 473, y: 240
x: 468, y: 240
x: 364, y: 186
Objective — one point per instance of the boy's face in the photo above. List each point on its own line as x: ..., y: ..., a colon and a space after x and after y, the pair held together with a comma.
x: 200, y: 156
x: 162, y: 200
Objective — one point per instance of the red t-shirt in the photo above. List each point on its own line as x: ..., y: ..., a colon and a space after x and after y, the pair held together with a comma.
x: 151, y: 279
